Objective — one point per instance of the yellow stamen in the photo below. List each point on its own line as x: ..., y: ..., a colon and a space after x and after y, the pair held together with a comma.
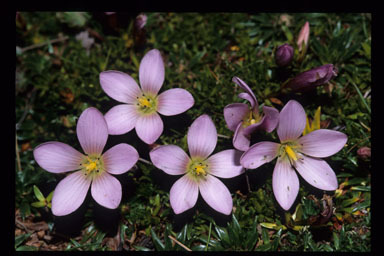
x: 199, y: 169
x: 290, y: 153
x: 144, y: 102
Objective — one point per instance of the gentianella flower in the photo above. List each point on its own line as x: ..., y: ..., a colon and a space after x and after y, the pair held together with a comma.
x: 92, y: 169
x: 245, y: 120
x: 200, y: 170
x: 302, y: 154
x: 142, y: 105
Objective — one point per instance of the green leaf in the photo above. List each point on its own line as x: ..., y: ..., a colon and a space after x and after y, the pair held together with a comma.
x: 38, y: 204
x: 49, y: 197
x: 141, y: 248
x: 336, y: 241
x: 38, y: 193
x: 156, y: 241
x: 21, y: 238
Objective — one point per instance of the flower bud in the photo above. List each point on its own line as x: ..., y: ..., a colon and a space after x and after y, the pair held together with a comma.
x: 364, y: 153
x: 284, y: 55
x: 140, y: 21
x: 312, y: 78
x: 303, y: 36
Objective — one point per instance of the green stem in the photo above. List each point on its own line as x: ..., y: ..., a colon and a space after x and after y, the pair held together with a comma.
x: 209, y: 236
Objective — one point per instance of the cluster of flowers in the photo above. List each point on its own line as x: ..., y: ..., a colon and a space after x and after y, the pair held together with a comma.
x: 140, y: 110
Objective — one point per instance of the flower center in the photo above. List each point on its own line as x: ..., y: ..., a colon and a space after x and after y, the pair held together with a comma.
x: 289, y: 150
x: 146, y: 104
x: 197, y: 168
x: 92, y: 165
x: 251, y: 118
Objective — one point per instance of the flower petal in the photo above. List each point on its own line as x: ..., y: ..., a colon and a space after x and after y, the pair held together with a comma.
x: 120, y: 158
x: 106, y: 190
x: 271, y: 118
x: 92, y: 131
x: 119, y: 86
x: 70, y: 193
x: 121, y: 119
x: 170, y: 158
x: 259, y: 154
x: 240, y: 140
x: 174, y: 101
x: 251, y: 98
x: 322, y: 142
x: 292, y: 120
x: 151, y: 72
x: 149, y: 127
x: 316, y: 172
x: 183, y: 195
x: 234, y: 114
x: 202, y: 137
x: 216, y: 194
x: 285, y: 184
x: 57, y: 157
x: 225, y: 164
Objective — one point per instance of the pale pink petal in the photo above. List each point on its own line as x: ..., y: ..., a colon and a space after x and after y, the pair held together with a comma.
x: 57, y: 157
x: 225, y: 164
x: 120, y: 158
x: 234, y: 114
x: 245, y: 87
x: 292, y: 120
x: 70, y: 193
x: 202, y: 137
x: 285, y: 184
x: 106, y: 190
x: 183, y: 195
x: 259, y: 154
x: 121, y: 119
x: 322, y: 142
x: 174, y: 101
x: 316, y: 172
x: 240, y: 140
x: 216, y: 194
x: 119, y: 86
x: 151, y: 72
x: 149, y: 127
x: 170, y: 158
x: 271, y: 118
x: 92, y: 131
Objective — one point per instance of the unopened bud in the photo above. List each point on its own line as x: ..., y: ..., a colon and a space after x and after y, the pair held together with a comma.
x: 364, y: 153
x: 284, y: 55
x: 303, y: 36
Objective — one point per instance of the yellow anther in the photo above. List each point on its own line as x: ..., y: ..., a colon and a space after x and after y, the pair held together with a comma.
x: 144, y: 102
x: 253, y: 121
x: 200, y: 169
x: 290, y: 153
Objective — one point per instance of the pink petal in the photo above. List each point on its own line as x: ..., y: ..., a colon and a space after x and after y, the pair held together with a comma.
x: 92, y: 131
x: 106, y: 190
x: 271, y: 118
x: 149, y: 127
x: 240, y: 140
x: 151, y: 72
x: 251, y: 98
x: 120, y: 158
x: 202, y: 137
x: 121, y: 119
x: 70, y: 193
x: 183, y: 195
x: 57, y: 157
x: 285, y: 184
x: 322, y: 143
x: 248, y: 97
x: 234, y: 114
x: 259, y: 154
x: 119, y: 86
x: 225, y: 164
x: 292, y: 120
x: 170, y: 158
x: 216, y: 194
x: 317, y: 173
x: 174, y: 101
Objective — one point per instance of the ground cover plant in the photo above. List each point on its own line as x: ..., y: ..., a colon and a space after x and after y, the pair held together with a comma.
x: 235, y: 76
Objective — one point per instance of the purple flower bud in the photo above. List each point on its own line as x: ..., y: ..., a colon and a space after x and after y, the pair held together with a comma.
x: 140, y: 21
x: 284, y: 55
x: 364, y: 153
x: 312, y: 78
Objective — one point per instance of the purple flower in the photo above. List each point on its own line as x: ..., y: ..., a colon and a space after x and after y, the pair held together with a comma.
x: 312, y: 78
x: 284, y: 55
x: 244, y: 120
x: 200, y: 169
x: 295, y: 152
x: 142, y: 104
x: 92, y: 169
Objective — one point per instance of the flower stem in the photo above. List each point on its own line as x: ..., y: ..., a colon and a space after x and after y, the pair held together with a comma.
x: 145, y: 161
x: 209, y: 236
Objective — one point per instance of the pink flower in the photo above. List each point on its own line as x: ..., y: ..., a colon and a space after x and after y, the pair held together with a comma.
x: 294, y: 152
x: 142, y: 105
x: 245, y: 120
x: 303, y: 37
x: 92, y: 169
x: 200, y: 169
